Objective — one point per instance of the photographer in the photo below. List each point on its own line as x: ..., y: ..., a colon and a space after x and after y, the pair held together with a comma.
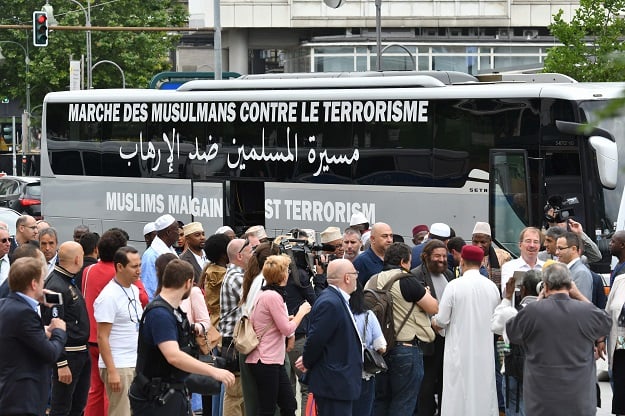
x: 558, y: 213
x: 299, y: 289
x: 331, y: 248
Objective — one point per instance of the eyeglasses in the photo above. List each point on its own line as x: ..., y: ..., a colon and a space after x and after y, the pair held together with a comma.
x: 133, y: 303
x: 562, y: 248
x: 32, y: 227
x: 5, y: 240
x: 356, y: 273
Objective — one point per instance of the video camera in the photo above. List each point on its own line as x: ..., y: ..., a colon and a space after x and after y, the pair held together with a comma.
x: 304, y: 254
x: 562, y: 209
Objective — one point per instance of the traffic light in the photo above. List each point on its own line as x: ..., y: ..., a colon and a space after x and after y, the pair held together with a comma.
x: 40, y: 28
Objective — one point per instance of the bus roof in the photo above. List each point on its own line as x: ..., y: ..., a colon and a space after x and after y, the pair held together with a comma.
x: 337, y: 88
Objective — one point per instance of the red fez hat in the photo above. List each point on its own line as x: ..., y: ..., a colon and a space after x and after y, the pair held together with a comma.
x: 419, y: 228
x: 472, y: 253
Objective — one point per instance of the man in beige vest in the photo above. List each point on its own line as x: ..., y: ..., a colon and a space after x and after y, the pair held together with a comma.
x: 412, y: 303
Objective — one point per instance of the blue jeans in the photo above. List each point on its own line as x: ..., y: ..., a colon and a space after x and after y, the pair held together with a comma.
x: 218, y: 401
x: 510, y: 385
x: 363, y: 406
x: 398, y: 388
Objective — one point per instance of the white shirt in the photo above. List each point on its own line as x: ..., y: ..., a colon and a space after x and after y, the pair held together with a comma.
x: 201, y: 260
x: 508, y: 269
x: 51, y: 264
x: 4, y: 268
x: 120, y: 306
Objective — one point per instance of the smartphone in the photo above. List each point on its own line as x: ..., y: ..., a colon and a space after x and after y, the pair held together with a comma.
x: 53, y: 298
x: 518, y: 278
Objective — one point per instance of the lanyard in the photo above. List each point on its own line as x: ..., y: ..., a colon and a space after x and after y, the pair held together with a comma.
x: 132, y: 302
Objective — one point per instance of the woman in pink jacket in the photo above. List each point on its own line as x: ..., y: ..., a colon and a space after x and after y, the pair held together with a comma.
x: 273, y: 325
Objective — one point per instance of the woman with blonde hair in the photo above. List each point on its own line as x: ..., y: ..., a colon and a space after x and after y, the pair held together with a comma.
x: 272, y: 324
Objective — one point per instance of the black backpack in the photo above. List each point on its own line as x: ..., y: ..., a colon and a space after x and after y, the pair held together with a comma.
x: 380, y: 301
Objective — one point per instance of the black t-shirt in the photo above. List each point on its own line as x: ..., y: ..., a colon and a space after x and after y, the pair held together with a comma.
x: 411, y: 288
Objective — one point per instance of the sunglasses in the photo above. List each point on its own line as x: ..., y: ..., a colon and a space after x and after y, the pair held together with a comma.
x: 5, y: 240
x: 247, y: 243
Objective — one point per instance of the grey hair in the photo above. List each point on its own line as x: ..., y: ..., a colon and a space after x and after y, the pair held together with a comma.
x: 49, y: 231
x: 352, y: 231
x: 557, y: 276
x: 555, y: 232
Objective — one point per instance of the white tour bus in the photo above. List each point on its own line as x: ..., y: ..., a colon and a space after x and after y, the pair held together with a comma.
x: 309, y: 150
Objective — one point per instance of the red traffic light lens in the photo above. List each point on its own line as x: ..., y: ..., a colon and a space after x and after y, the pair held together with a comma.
x: 41, y: 18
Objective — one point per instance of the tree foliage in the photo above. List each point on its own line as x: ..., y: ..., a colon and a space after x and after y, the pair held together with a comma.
x: 139, y: 54
x: 592, y: 42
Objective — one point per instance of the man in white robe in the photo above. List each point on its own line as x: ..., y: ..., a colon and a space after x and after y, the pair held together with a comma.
x: 464, y: 314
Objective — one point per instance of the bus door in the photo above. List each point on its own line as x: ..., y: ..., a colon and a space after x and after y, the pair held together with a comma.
x: 244, y: 206
x: 563, y: 180
x: 509, y: 197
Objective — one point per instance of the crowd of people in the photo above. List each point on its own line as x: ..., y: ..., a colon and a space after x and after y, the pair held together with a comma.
x: 475, y: 332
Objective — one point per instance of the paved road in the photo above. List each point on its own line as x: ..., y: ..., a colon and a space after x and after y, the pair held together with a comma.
x: 606, y: 391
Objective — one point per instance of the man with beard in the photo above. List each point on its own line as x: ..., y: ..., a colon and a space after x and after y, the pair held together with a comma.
x: 166, y: 236
x: 433, y: 273
x: 194, y: 254
x: 494, y: 258
x: 464, y: 313
x: 162, y: 364
x: 351, y: 244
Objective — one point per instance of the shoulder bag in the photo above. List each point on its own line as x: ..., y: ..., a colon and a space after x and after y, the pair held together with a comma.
x: 245, y: 338
x: 373, y: 361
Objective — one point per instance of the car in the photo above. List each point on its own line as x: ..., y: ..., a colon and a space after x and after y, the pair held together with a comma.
x: 9, y: 216
x: 22, y: 194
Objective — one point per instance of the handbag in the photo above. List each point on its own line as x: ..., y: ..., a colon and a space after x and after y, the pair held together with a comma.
x: 373, y: 362
x: 244, y: 337
x: 311, y: 405
x: 214, y: 337
x: 231, y: 357
x: 201, y: 340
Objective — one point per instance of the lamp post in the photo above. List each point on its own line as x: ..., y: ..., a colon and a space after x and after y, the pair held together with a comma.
x: 378, y: 31
x: 87, y: 11
x: 106, y: 61
x: 27, y: 63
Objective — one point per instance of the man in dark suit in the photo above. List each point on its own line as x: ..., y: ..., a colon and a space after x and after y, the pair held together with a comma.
x: 26, y: 352
x: 332, y: 358
x: 194, y: 254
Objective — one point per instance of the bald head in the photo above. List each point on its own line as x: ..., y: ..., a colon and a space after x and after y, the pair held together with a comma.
x: 341, y: 273
x: 381, y: 238
x: 71, y: 256
x: 234, y: 247
x: 617, y: 245
x: 240, y: 251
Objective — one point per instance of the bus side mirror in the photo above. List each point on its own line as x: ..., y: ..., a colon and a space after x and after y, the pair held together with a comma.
x: 607, y: 160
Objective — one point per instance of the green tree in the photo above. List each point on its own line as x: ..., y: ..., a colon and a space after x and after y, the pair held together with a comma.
x: 139, y: 54
x: 592, y: 42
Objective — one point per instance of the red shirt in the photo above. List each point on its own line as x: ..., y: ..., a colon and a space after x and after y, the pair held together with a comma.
x: 94, y: 278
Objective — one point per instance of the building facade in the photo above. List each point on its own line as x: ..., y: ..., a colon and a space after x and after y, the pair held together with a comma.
x: 309, y: 36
